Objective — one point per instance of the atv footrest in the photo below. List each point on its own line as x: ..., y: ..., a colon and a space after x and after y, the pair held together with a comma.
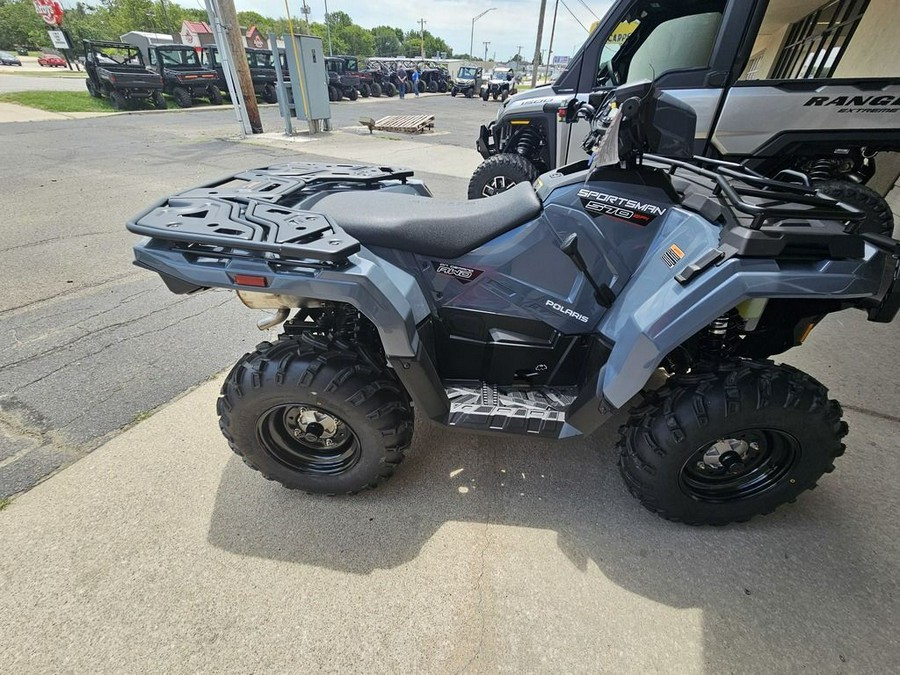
x: 537, y: 411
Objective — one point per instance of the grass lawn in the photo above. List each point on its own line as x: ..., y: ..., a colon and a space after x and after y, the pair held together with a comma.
x: 58, y: 101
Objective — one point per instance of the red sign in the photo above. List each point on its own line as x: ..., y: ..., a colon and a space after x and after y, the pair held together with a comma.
x: 50, y: 11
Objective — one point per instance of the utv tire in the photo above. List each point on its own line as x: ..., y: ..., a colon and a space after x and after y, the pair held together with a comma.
x: 92, y: 90
x: 325, y: 422
x: 376, y: 90
x: 159, y: 101
x: 879, y: 218
x: 442, y: 87
x: 338, y: 94
x: 734, y: 441
x: 432, y: 87
x: 117, y: 100
x: 215, y: 95
x: 453, y: 91
x: 485, y: 95
x: 389, y: 89
x: 470, y: 92
x: 499, y: 173
x: 269, y: 94
x: 365, y: 91
x: 182, y: 97
x: 353, y: 95
x: 494, y: 95
x: 504, y: 95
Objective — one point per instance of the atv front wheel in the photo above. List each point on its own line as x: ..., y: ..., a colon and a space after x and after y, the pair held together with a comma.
x: 214, y: 94
x: 321, y: 421
x: 879, y: 218
x: 182, y: 97
x: 365, y: 91
x: 159, y: 101
x: 499, y: 173
x: 731, y: 442
x: 92, y: 90
x: 432, y: 87
x: 389, y: 89
x: 117, y: 100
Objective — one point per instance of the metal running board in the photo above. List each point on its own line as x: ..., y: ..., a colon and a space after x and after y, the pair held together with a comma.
x: 539, y: 411
x: 410, y: 124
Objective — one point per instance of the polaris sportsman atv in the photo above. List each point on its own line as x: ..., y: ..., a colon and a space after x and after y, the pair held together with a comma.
x: 539, y: 314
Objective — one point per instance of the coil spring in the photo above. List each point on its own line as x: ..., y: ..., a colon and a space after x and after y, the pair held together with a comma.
x: 823, y: 169
x: 722, y: 336
x: 527, y: 142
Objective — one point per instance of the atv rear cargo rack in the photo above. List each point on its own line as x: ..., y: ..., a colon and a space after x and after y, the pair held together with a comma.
x: 250, y: 215
x: 773, y: 201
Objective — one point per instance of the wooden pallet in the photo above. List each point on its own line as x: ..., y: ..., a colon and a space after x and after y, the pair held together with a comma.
x: 410, y: 124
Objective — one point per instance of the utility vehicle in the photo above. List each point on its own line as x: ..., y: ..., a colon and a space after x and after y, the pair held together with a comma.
x: 341, y: 82
x: 697, y: 50
x: 502, y: 84
x: 468, y: 81
x: 116, y: 70
x: 638, y: 277
x: 186, y: 78
x: 262, y: 71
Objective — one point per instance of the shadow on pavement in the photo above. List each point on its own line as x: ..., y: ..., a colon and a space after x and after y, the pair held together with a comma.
x: 780, y: 593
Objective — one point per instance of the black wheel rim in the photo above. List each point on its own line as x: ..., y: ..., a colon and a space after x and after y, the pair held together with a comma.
x: 308, y: 439
x: 743, y: 465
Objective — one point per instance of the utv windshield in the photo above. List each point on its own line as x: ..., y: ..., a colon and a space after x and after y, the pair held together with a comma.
x: 179, y: 58
x: 123, y: 56
x: 467, y: 73
x: 261, y: 59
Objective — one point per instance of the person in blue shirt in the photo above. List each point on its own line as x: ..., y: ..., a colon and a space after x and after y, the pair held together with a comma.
x: 415, y: 80
x: 401, y: 80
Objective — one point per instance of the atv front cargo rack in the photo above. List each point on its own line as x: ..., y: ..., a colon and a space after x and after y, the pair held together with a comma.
x: 250, y: 214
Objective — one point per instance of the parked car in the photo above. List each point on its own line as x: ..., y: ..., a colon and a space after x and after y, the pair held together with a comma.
x: 51, y: 61
x: 9, y: 59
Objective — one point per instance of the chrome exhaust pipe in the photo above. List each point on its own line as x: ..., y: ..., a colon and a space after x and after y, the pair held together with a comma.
x: 273, y: 320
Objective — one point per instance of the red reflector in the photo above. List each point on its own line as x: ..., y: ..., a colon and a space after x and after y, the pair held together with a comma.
x: 250, y: 280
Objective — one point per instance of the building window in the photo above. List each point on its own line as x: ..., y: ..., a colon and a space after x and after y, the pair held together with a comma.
x: 753, y: 65
x: 816, y: 43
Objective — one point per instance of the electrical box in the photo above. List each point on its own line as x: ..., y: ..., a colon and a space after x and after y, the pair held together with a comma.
x: 308, y: 79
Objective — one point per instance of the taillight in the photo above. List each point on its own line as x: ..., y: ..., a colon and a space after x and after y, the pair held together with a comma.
x: 250, y: 280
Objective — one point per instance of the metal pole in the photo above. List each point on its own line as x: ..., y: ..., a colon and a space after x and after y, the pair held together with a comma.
x: 537, y: 45
x: 284, y: 106
x: 550, y: 50
x: 328, y: 29
x: 472, y: 36
x: 234, y: 92
x: 485, y: 51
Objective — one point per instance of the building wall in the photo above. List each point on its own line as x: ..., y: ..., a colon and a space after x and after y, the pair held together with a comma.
x: 872, y: 52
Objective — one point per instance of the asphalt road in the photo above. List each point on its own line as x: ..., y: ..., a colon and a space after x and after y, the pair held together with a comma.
x: 481, y: 554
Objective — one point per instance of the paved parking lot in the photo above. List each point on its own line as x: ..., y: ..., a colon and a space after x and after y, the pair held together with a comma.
x: 156, y: 549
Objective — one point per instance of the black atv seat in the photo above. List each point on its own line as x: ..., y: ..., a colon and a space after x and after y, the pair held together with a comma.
x: 434, y: 227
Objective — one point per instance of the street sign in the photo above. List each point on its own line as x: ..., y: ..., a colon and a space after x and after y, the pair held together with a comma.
x: 58, y: 38
x: 50, y: 11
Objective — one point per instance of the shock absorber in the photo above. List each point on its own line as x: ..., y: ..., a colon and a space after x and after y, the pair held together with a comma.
x: 822, y: 169
x: 721, y: 336
x: 527, y: 142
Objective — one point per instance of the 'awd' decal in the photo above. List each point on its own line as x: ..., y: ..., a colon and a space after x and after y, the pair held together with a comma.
x: 565, y: 310
x: 463, y: 274
x: 603, y: 204
x: 858, y: 104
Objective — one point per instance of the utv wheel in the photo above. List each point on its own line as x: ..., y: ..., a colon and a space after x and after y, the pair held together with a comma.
x: 879, y: 218
x: 442, y: 87
x: 730, y: 443
x: 470, y: 92
x: 353, y: 95
x: 92, y: 90
x: 182, y: 97
x: 215, y: 95
x: 269, y: 94
x: 331, y: 94
x: 494, y: 95
x: 485, y: 95
x: 159, y: 101
x: 376, y: 90
x: 499, y: 173
x: 504, y: 95
x: 320, y: 421
x: 117, y: 100
x: 389, y: 89
x: 338, y: 94
x: 432, y: 87
x: 365, y: 91
x: 453, y: 91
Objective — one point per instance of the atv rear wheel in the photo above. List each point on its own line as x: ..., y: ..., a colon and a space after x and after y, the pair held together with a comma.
x: 321, y: 421
x: 432, y: 87
x: 499, y: 173
x: 214, y: 94
x: 734, y: 441
x: 364, y: 90
x: 389, y: 89
x: 376, y: 90
x: 182, y: 97
x: 159, y: 101
x: 879, y: 218
x: 442, y: 87
x: 353, y: 95
x: 92, y: 90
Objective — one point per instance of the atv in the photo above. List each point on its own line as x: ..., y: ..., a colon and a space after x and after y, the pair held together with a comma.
x: 341, y: 82
x: 186, y: 78
x: 630, y: 278
x: 501, y: 85
x: 698, y: 50
x: 468, y: 81
x: 262, y: 71
x: 116, y: 70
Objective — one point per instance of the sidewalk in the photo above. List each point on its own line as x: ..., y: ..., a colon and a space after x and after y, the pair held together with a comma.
x: 11, y: 112
x: 162, y: 552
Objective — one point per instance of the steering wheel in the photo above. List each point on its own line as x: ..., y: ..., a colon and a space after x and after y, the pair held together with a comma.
x: 607, y: 72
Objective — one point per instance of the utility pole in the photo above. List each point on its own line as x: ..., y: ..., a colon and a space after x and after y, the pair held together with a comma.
x: 328, y: 29
x: 537, y: 45
x: 472, y: 36
x: 304, y: 10
x: 552, y: 32
x: 422, y: 23
x: 238, y: 57
x: 485, y: 51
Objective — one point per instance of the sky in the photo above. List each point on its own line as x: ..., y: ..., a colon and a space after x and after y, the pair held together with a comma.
x: 511, y: 24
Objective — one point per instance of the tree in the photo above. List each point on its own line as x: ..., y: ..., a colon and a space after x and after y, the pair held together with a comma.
x: 387, y: 43
x: 20, y: 25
